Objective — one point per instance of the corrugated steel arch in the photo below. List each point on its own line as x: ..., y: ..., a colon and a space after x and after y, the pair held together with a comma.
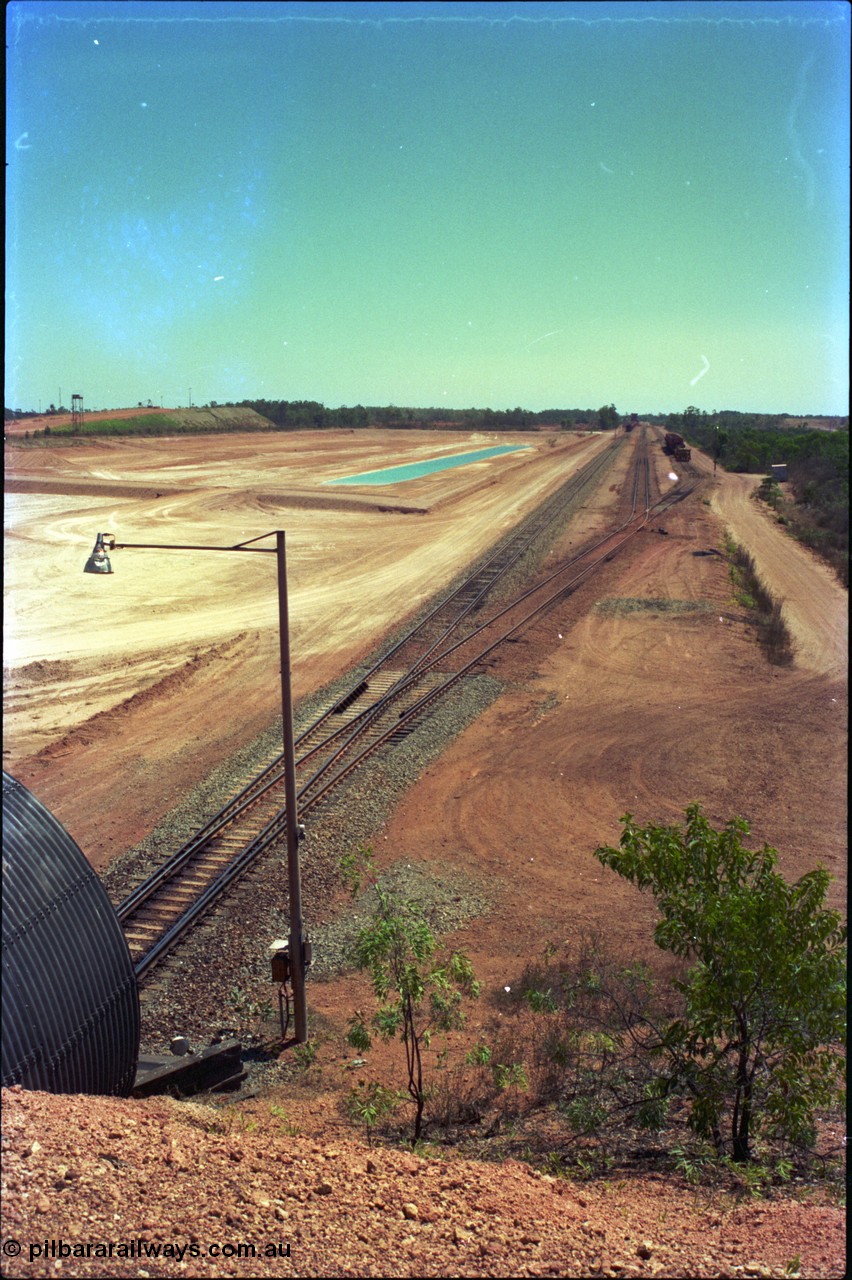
x: 70, y: 998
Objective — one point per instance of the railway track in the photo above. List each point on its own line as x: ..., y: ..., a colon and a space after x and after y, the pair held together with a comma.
x: 383, y: 705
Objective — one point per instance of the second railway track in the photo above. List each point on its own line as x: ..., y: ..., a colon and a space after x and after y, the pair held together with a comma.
x: 381, y: 706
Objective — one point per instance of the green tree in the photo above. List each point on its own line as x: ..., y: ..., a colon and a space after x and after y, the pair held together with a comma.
x: 417, y: 992
x: 607, y: 417
x: 692, y: 417
x: 764, y: 1003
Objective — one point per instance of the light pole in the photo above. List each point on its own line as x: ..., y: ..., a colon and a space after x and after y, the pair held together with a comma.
x: 99, y: 563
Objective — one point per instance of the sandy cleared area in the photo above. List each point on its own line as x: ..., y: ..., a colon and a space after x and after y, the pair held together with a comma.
x: 122, y: 691
x: 644, y: 691
x: 131, y: 685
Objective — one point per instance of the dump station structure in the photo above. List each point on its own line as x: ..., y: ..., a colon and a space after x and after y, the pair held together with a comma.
x: 70, y: 1004
x: 70, y: 998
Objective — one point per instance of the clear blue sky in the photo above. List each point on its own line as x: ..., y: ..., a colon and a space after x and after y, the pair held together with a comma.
x: 546, y: 205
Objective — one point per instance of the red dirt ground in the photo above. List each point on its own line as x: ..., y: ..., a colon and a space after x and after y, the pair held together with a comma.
x: 607, y: 708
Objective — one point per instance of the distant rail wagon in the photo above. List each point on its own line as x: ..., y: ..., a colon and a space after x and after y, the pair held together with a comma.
x: 675, y: 446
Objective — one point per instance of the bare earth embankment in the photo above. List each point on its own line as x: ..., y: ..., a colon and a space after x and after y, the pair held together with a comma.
x: 645, y: 691
x: 192, y: 639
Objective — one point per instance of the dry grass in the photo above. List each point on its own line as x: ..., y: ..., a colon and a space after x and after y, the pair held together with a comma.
x: 754, y: 595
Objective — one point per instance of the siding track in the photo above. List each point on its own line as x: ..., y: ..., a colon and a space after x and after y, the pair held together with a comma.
x: 382, y: 706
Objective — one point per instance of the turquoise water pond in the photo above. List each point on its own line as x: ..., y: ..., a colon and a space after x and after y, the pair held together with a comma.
x: 412, y: 470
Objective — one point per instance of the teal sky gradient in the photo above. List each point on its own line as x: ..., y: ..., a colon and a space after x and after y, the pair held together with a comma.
x: 543, y: 205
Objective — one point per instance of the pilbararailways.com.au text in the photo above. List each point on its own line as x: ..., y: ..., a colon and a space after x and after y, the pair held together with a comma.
x: 140, y: 1248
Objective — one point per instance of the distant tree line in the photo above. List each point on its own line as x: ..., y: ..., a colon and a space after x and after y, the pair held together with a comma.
x: 817, y: 470
x: 311, y: 414
x: 753, y: 441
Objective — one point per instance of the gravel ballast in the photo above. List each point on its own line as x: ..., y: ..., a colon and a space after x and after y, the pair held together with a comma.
x: 219, y: 979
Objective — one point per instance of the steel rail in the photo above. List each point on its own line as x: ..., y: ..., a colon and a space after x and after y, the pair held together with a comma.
x: 267, y: 778
x: 273, y: 828
x: 307, y: 802
x: 504, y: 557
x: 417, y: 672
x: 455, y: 621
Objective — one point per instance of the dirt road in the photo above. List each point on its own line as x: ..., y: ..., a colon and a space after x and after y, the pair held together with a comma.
x: 814, y: 606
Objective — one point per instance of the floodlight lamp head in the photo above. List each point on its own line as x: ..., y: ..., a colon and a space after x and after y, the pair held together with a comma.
x: 99, y: 561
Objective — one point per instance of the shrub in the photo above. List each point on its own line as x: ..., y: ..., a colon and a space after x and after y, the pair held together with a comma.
x: 416, y: 992
x: 756, y: 1045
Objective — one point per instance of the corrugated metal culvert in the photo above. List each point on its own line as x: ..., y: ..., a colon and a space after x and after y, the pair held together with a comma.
x: 70, y: 999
